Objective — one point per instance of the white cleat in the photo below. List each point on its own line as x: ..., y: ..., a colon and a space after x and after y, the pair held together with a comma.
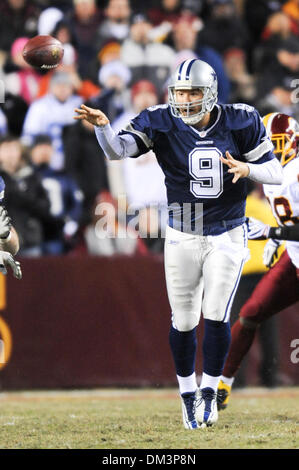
x: 206, y: 412
x: 188, y: 409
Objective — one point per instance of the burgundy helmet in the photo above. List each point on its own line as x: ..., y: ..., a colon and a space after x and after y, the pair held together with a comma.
x: 284, y: 133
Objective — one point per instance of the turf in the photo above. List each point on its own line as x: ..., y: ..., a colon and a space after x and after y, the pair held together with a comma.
x: 145, y: 419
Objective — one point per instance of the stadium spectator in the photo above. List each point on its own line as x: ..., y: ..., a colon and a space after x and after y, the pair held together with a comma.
x: 84, y: 88
x: 291, y: 8
x: 64, y: 5
x: 108, y: 52
x: 224, y: 29
x: 63, y: 33
x: 84, y: 21
x: 25, y: 198
x: 167, y: 12
x: 114, y: 77
x: 277, y: 76
x: 15, y: 109
x: 85, y: 164
x: 17, y: 18
x: 64, y: 196
x: 141, y: 179
x: 145, y: 58
x: 185, y: 39
x: 243, y: 84
x: 48, y: 20
x: 278, y: 26
x: 256, y: 14
x: 24, y: 80
x: 49, y: 114
x: 116, y: 24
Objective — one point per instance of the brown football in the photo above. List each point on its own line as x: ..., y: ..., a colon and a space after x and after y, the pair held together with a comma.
x: 44, y: 52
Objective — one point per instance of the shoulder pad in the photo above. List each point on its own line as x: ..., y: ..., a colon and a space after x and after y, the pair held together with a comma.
x: 239, y: 115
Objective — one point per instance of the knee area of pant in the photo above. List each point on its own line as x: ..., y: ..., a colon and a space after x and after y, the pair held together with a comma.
x: 185, y: 323
x: 214, y: 316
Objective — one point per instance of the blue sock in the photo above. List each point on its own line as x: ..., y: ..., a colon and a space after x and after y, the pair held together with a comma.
x: 216, y: 344
x: 183, y: 346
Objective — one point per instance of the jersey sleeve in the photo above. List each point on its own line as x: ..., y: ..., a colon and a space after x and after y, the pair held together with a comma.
x: 141, y: 130
x: 253, y: 142
x: 146, y: 126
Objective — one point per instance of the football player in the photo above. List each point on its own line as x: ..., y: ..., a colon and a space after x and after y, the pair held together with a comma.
x: 9, y: 240
x: 279, y: 287
x: 206, y: 151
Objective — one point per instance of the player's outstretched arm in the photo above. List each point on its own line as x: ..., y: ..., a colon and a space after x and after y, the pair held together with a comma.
x: 115, y: 147
x: 237, y: 168
x: 93, y: 116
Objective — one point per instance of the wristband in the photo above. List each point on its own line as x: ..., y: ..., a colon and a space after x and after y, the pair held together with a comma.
x: 285, y: 233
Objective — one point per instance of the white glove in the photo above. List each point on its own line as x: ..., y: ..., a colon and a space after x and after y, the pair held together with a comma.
x: 270, y: 252
x: 257, y: 229
x: 5, y: 223
x: 6, y: 259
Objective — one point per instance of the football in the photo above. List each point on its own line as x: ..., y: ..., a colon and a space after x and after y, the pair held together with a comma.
x: 43, y: 52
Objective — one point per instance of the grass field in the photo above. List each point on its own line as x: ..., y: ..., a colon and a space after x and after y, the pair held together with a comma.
x: 257, y: 418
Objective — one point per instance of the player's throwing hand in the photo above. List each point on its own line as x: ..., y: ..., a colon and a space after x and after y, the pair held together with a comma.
x: 93, y: 116
x: 239, y: 169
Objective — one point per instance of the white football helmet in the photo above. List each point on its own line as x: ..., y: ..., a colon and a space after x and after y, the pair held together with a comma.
x: 193, y: 74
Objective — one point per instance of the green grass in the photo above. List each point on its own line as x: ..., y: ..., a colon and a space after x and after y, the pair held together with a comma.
x: 145, y: 419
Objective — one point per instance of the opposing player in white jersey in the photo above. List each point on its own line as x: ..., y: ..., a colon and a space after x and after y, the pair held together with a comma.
x: 279, y: 288
x: 206, y: 151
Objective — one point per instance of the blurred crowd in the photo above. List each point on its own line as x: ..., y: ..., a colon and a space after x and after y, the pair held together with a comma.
x: 118, y: 55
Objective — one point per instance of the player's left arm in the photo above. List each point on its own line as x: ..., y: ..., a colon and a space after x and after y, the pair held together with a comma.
x: 238, y: 168
x: 269, y: 172
x: 257, y: 230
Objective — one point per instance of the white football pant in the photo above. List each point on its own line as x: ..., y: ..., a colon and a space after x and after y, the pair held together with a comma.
x: 202, y: 274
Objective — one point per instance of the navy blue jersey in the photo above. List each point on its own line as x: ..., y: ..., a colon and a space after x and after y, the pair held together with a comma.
x: 190, y: 161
